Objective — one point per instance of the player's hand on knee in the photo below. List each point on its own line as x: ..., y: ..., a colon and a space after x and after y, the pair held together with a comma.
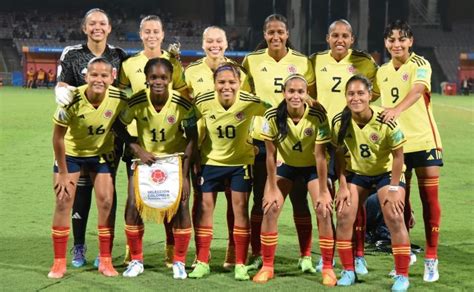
x: 324, y: 204
x: 64, y: 94
x: 343, y: 198
x: 64, y: 186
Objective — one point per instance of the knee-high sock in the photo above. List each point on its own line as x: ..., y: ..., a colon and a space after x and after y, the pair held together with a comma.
x: 181, y: 244
x: 255, y: 227
x: 80, y: 209
x: 134, y: 235
x: 344, y: 249
x: 304, y: 228
x: 241, y: 240
x: 401, y: 255
x: 359, y: 231
x: 203, y: 238
x: 269, y: 242
x: 60, y: 235
x: 326, y: 245
x: 428, y: 187
x: 106, y: 235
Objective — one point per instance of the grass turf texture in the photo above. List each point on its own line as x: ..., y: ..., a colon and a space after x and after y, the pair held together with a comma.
x: 27, y: 201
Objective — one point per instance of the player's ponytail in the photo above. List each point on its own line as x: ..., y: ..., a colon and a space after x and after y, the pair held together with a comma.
x: 345, y: 122
x: 281, y: 120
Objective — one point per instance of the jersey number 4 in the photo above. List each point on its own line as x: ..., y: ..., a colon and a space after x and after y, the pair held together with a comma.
x: 298, y: 147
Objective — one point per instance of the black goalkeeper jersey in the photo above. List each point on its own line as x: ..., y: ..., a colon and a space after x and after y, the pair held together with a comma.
x: 73, y: 63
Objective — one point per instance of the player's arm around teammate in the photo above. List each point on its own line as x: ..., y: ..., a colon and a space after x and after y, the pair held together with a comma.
x: 295, y: 137
x: 82, y: 138
x: 370, y: 152
x: 162, y: 115
x: 405, y: 83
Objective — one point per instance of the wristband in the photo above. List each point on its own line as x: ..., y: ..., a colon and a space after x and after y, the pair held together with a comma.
x: 393, y: 188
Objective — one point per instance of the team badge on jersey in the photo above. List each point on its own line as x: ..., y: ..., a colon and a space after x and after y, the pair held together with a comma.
x: 351, y: 69
x: 158, y: 176
x: 374, y: 137
x: 308, y: 132
x: 292, y: 69
x: 239, y: 116
x: 171, y: 119
x: 108, y: 114
x: 405, y: 76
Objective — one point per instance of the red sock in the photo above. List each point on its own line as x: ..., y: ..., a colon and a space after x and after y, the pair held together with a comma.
x: 326, y: 245
x: 304, y: 228
x: 60, y: 235
x: 181, y: 239
x: 255, y: 228
x: 105, y: 240
x: 169, y: 232
x: 230, y: 215
x: 203, y: 238
x: 401, y: 255
x: 407, y: 210
x: 241, y: 239
x: 134, y: 235
x: 359, y: 231
x: 344, y: 249
x: 269, y: 242
x: 428, y: 187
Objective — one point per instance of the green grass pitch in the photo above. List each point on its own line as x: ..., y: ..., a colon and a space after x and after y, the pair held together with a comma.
x: 27, y: 201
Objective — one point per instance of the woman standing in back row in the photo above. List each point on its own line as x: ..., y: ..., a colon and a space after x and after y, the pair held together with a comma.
x: 267, y: 68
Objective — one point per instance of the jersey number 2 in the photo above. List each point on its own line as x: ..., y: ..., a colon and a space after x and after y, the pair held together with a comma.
x: 335, y: 87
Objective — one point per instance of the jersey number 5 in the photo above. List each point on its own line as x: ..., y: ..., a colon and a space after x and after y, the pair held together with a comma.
x: 278, y: 82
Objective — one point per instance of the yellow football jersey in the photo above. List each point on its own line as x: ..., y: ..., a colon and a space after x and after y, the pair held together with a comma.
x: 370, y: 147
x: 297, y: 148
x: 199, y: 77
x: 417, y: 121
x: 160, y: 132
x: 265, y: 77
x: 227, y: 131
x: 332, y: 76
x: 132, y: 73
x: 88, y: 132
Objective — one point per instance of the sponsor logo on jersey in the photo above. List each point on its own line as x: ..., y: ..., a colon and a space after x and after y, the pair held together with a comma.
x: 264, y: 69
x: 405, y: 76
x: 349, y: 136
x: 292, y: 69
x: 139, y: 70
x: 158, y: 176
x: 108, y: 114
x: 200, y: 80
x: 385, y: 80
x: 374, y: 137
x: 171, y: 119
x: 308, y: 132
x: 239, y: 116
x: 212, y: 117
x: 145, y: 119
x: 81, y: 117
x: 324, y: 69
x: 351, y: 69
